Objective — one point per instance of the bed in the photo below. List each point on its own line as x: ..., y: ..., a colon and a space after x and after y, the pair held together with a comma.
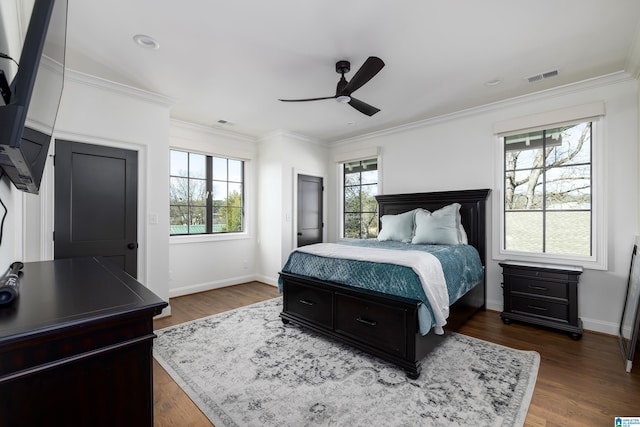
x: 391, y: 325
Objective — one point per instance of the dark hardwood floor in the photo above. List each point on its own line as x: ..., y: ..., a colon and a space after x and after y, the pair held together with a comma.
x: 580, y: 383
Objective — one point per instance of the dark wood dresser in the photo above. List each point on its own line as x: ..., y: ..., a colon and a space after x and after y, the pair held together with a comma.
x: 76, y: 347
x: 542, y: 295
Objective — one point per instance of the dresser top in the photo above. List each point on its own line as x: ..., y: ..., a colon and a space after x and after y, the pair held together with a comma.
x: 72, y: 292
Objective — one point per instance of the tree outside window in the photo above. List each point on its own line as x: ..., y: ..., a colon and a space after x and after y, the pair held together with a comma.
x: 360, y: 206
x: 548, y: 191
x: 206, y: 194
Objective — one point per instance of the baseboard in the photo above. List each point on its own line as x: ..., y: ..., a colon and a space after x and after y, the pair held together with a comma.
x: 208, y: 286
x: 268, y: 280
x: 494, y: 305
x: 166, y: 312
x: 600, y: 326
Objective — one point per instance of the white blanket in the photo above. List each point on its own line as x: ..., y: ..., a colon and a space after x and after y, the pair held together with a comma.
x: 425, y: 265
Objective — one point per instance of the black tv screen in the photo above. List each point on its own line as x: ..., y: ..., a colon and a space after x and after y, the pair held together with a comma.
x: 33, y: 95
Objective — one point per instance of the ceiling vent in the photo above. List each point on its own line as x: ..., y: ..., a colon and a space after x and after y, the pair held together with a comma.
x: 542, y: 76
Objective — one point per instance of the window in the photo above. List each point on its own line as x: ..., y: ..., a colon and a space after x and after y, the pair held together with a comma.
x: 360, y: 206
x: 548, y: 182
x: 206, y: 194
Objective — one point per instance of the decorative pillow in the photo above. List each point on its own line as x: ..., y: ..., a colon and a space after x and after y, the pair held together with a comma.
x: 464, y: 240
x: 398, y: 228
x: 441, y: 227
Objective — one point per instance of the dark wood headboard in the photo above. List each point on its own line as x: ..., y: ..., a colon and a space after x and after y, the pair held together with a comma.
x: 472, y: 210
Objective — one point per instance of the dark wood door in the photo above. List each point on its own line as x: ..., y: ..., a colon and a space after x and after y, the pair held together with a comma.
x: 96, y: 198
x: 309, y: 210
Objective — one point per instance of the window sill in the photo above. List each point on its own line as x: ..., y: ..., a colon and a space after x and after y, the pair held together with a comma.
x: 207, y: 238
x: 585, y: 263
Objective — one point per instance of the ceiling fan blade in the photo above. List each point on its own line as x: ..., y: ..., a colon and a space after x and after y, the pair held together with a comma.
x: 370, y: 68
x: 307, y: 99
x: 363, y: 107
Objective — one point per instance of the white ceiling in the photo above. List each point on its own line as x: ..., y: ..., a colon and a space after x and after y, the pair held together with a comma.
x: 232, y: 60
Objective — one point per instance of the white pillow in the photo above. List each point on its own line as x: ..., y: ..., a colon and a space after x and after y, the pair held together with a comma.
x: 464, y: 240
x: 441, y: 227
x: 398, y: 228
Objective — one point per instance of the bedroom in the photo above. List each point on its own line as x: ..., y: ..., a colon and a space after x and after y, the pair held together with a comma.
x: 99, y: 111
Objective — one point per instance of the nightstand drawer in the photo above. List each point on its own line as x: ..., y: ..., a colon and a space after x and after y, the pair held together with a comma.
x: 372, y: 323
x: 309, y: 303
x: 533, y: 286
x: 541, y: 308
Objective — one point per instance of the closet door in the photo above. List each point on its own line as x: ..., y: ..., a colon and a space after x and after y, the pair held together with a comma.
x: 96, y: 203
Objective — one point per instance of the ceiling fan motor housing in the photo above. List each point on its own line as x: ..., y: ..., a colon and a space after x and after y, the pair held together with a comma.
x: 343, y: 67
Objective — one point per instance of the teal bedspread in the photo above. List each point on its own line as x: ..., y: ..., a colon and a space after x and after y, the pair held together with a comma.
x: 461, y: 266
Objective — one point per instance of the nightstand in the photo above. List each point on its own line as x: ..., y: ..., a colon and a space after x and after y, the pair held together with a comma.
x: 543, y: 295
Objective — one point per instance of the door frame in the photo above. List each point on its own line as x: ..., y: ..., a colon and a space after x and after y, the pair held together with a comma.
x: 294, y: 205
x: 47, y: 194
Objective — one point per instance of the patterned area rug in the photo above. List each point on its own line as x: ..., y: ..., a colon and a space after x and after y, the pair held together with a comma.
x: 245, y: 368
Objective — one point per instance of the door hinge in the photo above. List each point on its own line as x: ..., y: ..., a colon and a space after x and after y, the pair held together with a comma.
x: 54, y: 236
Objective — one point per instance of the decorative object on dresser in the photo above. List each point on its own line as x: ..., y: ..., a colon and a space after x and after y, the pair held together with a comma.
x: 376, y: 321
x: 630, y: 321
x: 542, y: 294
x: 245, y: 368
x: 75, y: 347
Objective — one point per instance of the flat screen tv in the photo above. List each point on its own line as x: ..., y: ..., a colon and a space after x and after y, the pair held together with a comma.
x: 32, y: 97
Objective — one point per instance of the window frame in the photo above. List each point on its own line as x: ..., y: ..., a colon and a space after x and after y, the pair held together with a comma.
x: 209, y: 233
x: 598, y: 258
x: 342, y: 186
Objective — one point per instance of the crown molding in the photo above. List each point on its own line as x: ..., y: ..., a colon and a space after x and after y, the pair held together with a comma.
x: 122, y: 89
x: 632, y: 65
x: 609, y: 79
x: 196, y: 127
x: 281, y: 133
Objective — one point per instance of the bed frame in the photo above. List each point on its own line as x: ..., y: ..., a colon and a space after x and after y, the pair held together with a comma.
x: 384, y: 325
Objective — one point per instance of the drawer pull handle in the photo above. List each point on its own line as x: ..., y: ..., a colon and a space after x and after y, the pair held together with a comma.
x: 535, y: 307
x: 367, y: 322
x: 538, y: 288
x: 306, y: 302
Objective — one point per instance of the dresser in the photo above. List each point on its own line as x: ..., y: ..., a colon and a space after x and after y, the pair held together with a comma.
x: 76, y: 347
x: 542, y: 295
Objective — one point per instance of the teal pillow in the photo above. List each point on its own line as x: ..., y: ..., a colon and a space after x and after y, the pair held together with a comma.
x: 398, y: 228
x: 441, y: 227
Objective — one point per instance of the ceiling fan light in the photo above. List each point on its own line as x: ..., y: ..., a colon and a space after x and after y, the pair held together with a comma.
x: 343, y: 99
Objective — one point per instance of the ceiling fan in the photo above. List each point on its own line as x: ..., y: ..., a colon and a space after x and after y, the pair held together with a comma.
x: 370, y: 68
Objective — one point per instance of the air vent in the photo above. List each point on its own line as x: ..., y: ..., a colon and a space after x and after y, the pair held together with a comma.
x: 542, y: 76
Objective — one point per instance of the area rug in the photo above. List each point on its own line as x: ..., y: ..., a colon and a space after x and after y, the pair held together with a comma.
x: 246, y: 368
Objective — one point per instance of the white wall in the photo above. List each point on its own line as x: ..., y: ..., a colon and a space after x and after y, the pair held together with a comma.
x: 95, y: 111
x: 458, y: 152
x: 199, y: 263
x: 10, y: 245
x: 14, y: 17
x: 282, y: 156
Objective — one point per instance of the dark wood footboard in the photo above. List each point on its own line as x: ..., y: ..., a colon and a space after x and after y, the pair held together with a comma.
x: 383, y: 325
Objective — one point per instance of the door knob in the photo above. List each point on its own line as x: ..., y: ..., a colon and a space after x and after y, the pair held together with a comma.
x: 132, y: 246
